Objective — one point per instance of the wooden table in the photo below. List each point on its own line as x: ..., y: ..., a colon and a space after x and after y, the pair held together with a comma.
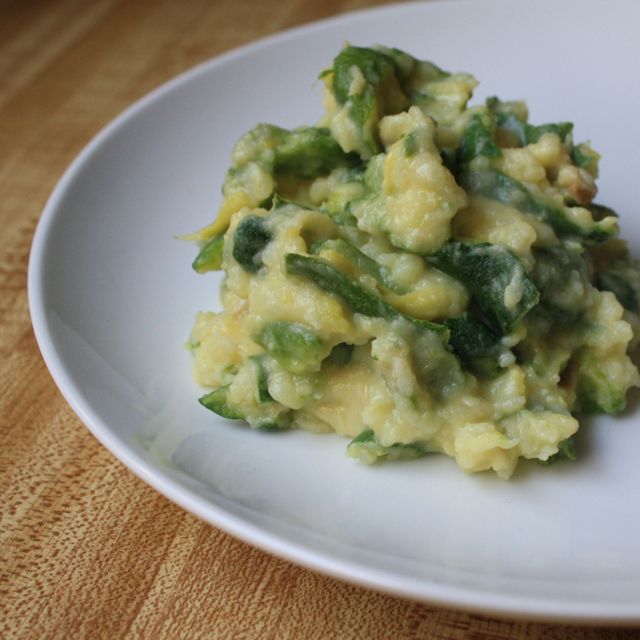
x: 86, y: 548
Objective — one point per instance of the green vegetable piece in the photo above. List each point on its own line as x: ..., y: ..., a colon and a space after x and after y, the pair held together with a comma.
x: 282, y: 423
x: 414, y: 75
x: 477, y: 139
x: 361, y: 261
x: 410, y: 144
x: 495, y: 185
x: 381, y: 94
x: 210, y: 256
x: 374, y: 65
x: 262, y: 379
x: 249, y: 239
x: 373, y: 178
x: 585, y: 158
x: 478, y: 347
x: 566, y: 451
x: 434, y: 365
x: 304, y: 152
x: 620, y: 287
x: 522, y: 133
x: 517, y: 128
x: 309, y: 152
x: 295, y: 347
x: 561, y: 276
x: 331, y: 280
x: 595, y: 392
x: 616, y: 271
x: 521, y: 130
x: 273, y: 427
x: 327, y: 277
x: 494, y: 277
x: 366, y: 448
x: 562, y: 129
x: 338, y: 205
x: 216, y: 401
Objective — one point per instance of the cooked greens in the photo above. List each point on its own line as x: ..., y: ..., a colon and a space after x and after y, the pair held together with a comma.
x: 417, y: 274
x: 494, y: 277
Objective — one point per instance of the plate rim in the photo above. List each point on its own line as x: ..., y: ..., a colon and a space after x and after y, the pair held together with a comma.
x: 447, y: 595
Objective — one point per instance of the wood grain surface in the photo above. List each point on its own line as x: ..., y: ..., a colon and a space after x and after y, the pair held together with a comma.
x: 87, y: 550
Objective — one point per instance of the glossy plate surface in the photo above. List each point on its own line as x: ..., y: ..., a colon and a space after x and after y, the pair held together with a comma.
x: 113, y: 298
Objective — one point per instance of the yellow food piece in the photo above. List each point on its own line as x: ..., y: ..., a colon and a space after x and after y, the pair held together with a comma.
x: 485, y: 220
x: 421, y: 195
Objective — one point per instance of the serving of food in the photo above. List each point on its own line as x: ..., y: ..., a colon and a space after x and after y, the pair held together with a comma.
x: 417, y: 274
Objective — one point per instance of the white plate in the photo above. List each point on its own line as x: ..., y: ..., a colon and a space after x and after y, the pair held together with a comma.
x: 113, y: 297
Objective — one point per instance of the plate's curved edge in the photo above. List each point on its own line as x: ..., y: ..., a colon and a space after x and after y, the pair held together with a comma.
x: 170, y: 85
x: 457, y: 598
x: 469, y: 600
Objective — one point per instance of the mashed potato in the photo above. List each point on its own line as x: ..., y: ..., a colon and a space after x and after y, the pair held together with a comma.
x: 417, y: 275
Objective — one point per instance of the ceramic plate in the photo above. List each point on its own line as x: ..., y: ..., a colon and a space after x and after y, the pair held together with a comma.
x: 113, y: 298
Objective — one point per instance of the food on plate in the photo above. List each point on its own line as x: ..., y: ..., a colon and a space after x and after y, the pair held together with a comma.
x: 417, y: 274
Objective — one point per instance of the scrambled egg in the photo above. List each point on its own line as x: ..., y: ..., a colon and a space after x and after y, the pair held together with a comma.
x: 417, y: 275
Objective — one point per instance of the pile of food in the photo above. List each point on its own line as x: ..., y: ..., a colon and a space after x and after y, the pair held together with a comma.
x: 417, y: 274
